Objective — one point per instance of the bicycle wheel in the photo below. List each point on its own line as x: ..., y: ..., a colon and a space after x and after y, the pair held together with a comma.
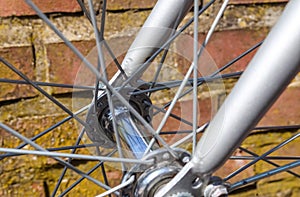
x: 56, y: 119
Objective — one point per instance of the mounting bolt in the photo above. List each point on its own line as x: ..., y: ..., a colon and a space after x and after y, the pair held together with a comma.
x: 186, y: 159
x: 215, y: 191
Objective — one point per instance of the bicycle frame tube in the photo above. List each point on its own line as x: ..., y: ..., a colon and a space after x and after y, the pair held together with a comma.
x: 157, y: 29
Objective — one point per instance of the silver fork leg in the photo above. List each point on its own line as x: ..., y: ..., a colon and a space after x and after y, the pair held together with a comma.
x: 267, y: 75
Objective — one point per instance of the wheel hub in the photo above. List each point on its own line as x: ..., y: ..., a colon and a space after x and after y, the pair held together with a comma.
x: 150, y: 179
x: 99, y: 118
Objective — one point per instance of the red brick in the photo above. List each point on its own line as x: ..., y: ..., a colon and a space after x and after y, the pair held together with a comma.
x: 20, y: 8
x: 222, y: 48
x: 232, y: 165
x: 184, y: 109
x: 226, y: 45
x: 22, y: 59
x: 286, y: 110
x: 67, y: 68
x: 64, y: 64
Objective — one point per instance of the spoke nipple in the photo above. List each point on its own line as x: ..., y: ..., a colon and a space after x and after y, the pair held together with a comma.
x: 148, y: 118
x: 215, y: 191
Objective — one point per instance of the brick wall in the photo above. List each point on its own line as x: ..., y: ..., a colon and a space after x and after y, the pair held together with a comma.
x: 27, y: 43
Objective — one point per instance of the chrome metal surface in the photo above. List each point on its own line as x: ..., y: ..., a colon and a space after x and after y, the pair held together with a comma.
x: 185, y: 181
x: 182, y: 194
x: 133, y: 134
x: 216, y: 189
x: 151, y: 178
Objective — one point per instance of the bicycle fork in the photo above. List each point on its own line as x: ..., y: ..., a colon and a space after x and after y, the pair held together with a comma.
x: 275, y: 64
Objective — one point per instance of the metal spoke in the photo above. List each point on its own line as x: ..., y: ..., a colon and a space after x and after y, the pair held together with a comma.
x: 103, y: 170
x: 99, y: 39
x: 264, y: 175
x: 188, y: 137
x: 72, y: 147
x: 168, y: 112
x: 98, y: 75
x: 55, y: 101
x: 197, y: 54
x: 85, y: 11
x: 261, y: 157
x: 175, y: 132
x: 158, y: 70
x: 215, y: 22
x: 101, y: 61
x: 229, y: 64
x: 195, y: 74
x: 56, y: 155
x: 237, y: 58
x: 103, y: 19
x: 268, y: 158
x: 117, y: 63
x: 49, y: 84
x: 62, y: 148
x: 41, y: 134
x: 88, y: 173
x: 69, y: 161
x: 277, y: 127
x: 104, y: 176
x: 181, y: 119
x: 172, y: 84
x: 42, y: 151
x: 120, y: 186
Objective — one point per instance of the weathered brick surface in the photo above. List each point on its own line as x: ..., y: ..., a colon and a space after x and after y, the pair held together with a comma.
x: 222, y: 48
x: 32, y: 175
x: 67, y: 68
x: 288, y: 185
x: 286, y: 110
x: 22, y: 59
x: 64, y: 64
x: 20, y: 8
x: 227, y: 45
